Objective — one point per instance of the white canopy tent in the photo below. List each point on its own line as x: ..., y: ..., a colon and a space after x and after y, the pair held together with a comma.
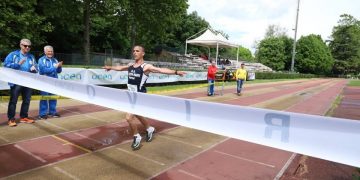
x: 211, y: 40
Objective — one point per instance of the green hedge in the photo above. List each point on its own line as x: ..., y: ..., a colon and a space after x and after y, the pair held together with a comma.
x: 277, y: 75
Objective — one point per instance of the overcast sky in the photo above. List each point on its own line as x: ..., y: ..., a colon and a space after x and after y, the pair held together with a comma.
x: 247, y: 20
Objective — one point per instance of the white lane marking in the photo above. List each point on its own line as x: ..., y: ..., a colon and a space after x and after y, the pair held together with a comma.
x: 190, y: 174
x: 86, y: 115
x: 4, y: 139
x: 54, y: 125
x: 72, y: 131
x: 30, y: 153
x: 143, y: 157
x: 283, y: 169
x: 172, y: 139
x: 189, y: 158
x: 66, y: 173
x: 245, y: 159
x: 86, y: 137
x: 76, y: 133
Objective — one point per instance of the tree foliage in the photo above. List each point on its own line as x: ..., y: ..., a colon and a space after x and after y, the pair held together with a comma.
x: 271, y: 52
x: 345, y: 45
x: 112, y: 24
x: 244, y: 53
x: 313, y: 56
x: 18, y: 20
x: 275, y: 31
x: 190, y: 25
x: 275, y: 49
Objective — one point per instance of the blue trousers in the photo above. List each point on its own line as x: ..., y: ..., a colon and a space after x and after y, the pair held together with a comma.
x: 239, y: 83
x: 15, y: 92
x: 47, y: 106
x: 211, y: 88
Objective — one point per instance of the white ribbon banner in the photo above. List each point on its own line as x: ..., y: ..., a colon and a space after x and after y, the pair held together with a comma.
x: 100, y: 76
x: 333, y: 139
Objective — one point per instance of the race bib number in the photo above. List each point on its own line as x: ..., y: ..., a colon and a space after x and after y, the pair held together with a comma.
x: 132, y: 88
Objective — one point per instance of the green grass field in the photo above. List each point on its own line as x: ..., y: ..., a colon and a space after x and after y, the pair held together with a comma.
x: 354, y: 82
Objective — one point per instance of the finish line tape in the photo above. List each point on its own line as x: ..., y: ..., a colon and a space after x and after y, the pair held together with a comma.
x: 328, y: 138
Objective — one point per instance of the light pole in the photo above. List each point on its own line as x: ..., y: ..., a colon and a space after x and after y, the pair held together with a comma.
x: 294, y: 45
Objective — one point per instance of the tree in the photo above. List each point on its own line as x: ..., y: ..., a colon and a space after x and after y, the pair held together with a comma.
x: 189, y: 25
x: 18, y: 20
x: 66, y: 18
x: 313, y: 56
x: 275, y: 31
x: 271, y: 52
x: 244, y: 53
x: 288, y: 45
x: 86, y: 39
x: 150, y: 20
x: 345, y: 44
x: 110, y: 24
x: 275, y: 49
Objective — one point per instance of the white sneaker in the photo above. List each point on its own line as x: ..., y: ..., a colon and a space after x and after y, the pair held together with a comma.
x: 136, y: 142
x: 149, y: 133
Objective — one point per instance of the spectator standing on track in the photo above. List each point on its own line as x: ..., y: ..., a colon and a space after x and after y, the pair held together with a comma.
x: 211, y: 78
x: 48, y: 66
x: 24, y: 61
x: 138, y: 73
x: 240, y: 75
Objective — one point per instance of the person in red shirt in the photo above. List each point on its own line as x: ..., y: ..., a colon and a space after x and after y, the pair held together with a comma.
x: 211, y: 78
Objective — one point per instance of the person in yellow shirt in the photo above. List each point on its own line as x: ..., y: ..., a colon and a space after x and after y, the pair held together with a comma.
x: 240, y: 76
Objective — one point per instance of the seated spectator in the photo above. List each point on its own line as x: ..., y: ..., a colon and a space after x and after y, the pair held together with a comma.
x: 227, y: 62
x: 203, y: 56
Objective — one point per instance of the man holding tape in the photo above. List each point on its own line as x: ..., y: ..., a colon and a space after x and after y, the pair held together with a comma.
x: 138, y: 73
x: 24, y: 61
x: 48, y: 66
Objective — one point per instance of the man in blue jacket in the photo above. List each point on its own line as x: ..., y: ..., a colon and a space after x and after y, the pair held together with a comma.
x: 48, y: 66
x: 24, y: 61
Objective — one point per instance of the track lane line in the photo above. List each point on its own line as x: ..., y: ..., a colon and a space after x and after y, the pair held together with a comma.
x: 30, y: 153
x: 245, y: 159
x: 190, y: 174
x: 182, y: 142
x: 284, y: 168
x: 142, y: 157
x: 62, y: 171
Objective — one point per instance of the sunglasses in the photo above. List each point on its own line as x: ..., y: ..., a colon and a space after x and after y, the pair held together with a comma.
x: 26, y: 46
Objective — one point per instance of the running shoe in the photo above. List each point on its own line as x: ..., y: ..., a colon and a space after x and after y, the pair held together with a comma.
x: 56, y: 115
x: 149, y: 133
x: 26, y: 120
x: 43, y: 117
x: 136, y: 142
x: 12, y: 123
